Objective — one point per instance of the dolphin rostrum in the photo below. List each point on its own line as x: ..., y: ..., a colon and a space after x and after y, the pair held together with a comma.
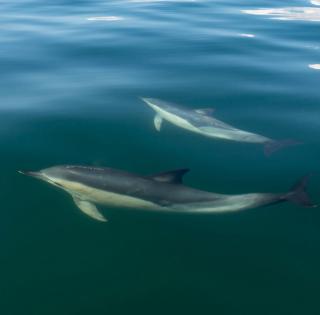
x: 201, y: 121
x: 89, y: 186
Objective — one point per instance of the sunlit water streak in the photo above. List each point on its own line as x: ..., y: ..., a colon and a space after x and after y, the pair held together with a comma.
x: 247, y: 35
x: 315, y: 66
x: 315, y: 2
x: 105, y: 18
x: 290, y: 13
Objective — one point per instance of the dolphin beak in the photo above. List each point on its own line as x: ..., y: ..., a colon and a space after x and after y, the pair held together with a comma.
x: 32, y: 174
x: 145, y: 99
x: 149, y: 102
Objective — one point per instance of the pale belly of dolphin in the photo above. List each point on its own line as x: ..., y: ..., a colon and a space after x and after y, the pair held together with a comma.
x: 223, y: 203
x: 176, y: 120
x: 211, y: 131
x: 108, y: 198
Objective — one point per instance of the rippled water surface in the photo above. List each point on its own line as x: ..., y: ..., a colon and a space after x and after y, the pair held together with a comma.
x: 72, y: 75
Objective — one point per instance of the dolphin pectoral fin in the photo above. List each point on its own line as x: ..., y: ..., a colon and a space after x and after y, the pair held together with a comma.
x: 89, y: 209
x: 157, y: 122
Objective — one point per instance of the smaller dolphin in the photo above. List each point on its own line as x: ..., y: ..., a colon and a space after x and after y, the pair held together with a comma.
x: 89, y: 186
x: 201, y: 121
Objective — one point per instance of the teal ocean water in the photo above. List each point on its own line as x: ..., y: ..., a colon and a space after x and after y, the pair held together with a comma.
x: 72, y: 74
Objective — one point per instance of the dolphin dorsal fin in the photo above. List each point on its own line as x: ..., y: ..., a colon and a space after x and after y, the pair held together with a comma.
x: 173, y: 177
x: 205, y: 111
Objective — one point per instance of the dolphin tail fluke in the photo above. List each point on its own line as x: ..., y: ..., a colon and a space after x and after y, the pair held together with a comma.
x: 273, y: 146
x: 298, y: 193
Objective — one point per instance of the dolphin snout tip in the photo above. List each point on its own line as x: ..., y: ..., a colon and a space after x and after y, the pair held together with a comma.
x: 29, y: 173
x: 145, y: 99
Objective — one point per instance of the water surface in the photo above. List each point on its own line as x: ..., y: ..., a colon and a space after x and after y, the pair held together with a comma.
x: 72, y: 75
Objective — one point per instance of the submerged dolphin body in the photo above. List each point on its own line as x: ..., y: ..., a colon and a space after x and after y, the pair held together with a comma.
x: 89, y: 186
x: 201, y: 121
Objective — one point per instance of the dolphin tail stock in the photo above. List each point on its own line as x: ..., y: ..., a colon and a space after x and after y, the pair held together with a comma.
x: 275, y: 145
x: 298, y: 193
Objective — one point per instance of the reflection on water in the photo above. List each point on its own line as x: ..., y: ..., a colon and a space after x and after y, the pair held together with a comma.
x: 315, y: 66
x: 72, y: 74
x: 105, y: 18
x: 247, y: 35
x: 289, y: 13
x: 315, y: 2
x: 173, y: 1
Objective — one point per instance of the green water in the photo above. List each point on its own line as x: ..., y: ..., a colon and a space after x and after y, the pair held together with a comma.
x: 70, y: 93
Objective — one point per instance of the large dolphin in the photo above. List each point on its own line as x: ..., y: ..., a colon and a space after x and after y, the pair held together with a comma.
x: 201, y: 121
x: 89, y: 186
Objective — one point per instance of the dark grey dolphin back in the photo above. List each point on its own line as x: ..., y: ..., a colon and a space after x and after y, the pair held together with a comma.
x: 163, y: 188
